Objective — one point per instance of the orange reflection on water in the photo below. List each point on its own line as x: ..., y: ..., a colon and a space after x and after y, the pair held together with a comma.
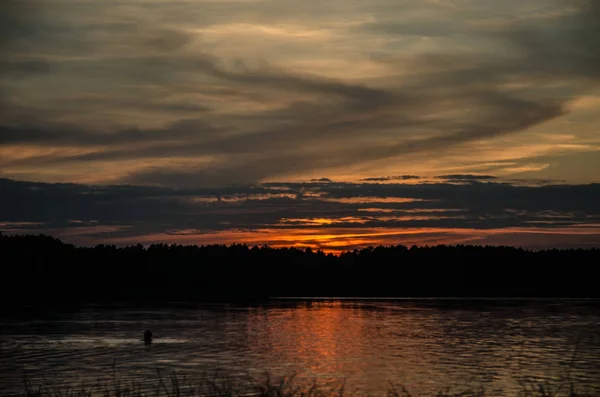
x: 315, y: 338
x: 331, y: 341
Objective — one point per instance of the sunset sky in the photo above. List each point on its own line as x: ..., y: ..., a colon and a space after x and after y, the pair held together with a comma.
x: 331, y: 124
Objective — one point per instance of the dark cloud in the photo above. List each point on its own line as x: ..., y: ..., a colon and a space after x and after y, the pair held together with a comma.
x: 273, y: 78
x: 391, y: 178
x: 564, y: 46
x: 130, y: 211
x: 37, y: 25
x: 279, y: 152
x: 13, y: 20
x: 466, y: 177
x: 431, y: 26
x: 24, y: 68
x: 59, y: 135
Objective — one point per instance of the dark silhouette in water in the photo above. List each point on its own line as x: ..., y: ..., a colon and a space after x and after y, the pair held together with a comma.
x: 147, y: 337
x: 40, y: 269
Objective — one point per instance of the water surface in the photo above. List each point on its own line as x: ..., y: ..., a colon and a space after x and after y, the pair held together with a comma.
x: 426, y: 345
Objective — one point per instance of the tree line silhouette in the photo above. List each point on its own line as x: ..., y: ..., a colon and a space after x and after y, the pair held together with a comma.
x: 44, y: 269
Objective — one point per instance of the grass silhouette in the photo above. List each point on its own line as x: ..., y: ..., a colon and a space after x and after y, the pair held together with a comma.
x: 222, y: 385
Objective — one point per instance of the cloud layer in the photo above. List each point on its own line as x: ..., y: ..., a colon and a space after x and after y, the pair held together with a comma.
x: 200, y: 94
x: 328, y: 215
x: 416, y: 122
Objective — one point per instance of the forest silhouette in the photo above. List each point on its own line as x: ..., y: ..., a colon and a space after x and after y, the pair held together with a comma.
x: 42, y: 269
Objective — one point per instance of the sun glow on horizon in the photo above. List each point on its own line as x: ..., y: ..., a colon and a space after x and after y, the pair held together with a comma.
x: 337, y: 240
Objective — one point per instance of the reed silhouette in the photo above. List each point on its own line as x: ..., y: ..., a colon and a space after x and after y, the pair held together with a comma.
x: 222, y: 385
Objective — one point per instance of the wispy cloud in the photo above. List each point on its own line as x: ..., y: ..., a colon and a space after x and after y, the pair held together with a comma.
x: 198, y: 94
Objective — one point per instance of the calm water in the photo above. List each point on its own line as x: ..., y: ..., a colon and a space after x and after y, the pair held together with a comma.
x: 424, y: 345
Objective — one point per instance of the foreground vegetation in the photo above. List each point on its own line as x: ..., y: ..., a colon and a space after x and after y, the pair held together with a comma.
x: 43, y: 269
x: 219, y: 385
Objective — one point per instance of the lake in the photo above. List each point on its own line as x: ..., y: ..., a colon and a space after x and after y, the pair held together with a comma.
x: 425, y: 345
